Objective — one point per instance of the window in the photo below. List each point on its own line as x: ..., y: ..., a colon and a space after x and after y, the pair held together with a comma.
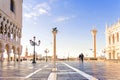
x: 117, y: 37
x: 12, y: 6
x: 113, y: 39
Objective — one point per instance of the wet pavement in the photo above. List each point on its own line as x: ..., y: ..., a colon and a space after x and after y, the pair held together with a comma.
x: 24, y: 71
x: 101, y: 70
x: 67, y: 70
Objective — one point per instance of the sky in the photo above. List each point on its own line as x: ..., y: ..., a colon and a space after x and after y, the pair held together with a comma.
x: 74, y: 20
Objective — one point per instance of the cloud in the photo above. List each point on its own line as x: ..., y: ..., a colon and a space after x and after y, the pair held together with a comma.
x: 60, y: 19
x: 63, y: 18
x: 52, y: 1
x: 31, y: 11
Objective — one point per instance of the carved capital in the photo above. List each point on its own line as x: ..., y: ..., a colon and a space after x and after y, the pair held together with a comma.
x: 2, y: 50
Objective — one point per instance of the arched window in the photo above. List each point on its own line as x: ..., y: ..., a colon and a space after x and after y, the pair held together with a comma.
x: 12, y: 5
x: 117, y: 37
x: 109, y: 40
x: 113, y: 39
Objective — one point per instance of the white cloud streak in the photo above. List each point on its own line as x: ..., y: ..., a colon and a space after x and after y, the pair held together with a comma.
x: 37, y: 10
x: 63, y: 18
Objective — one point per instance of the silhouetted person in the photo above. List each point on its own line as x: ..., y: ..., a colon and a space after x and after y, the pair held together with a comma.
x: 81, y: 56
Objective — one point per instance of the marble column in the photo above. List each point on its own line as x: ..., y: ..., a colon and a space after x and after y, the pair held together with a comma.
x: 2, y: 58
x: 1, y: 54
x: 54, y: 31
x: 8, y: 56
x: 15, y: 52
x: 18, y: 57
x: 14, y: 57
x: 94, y: 32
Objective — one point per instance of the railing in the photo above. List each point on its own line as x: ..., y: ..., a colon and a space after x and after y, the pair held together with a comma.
x: 7, y: 39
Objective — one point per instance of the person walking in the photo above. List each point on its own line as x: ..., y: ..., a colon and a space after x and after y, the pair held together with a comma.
x: 81, y: 57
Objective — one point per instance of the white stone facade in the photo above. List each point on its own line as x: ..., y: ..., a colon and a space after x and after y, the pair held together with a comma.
x: 10, y: 27
x: 113, y: 41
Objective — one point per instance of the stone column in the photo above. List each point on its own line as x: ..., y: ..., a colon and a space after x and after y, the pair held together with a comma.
x: 18, y: 57
x: 8, y: 56
x: 19, y: 53
x: 15, y: 52
x: 94, y: 32
x: 2, y: 58
x: 8, y: 53
x: 1, y: 54
x: 14, y: 57
x: 54, y: 45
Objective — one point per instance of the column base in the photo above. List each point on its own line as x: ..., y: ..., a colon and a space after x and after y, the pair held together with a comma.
x: 93, y: 58
x: 34, y: 62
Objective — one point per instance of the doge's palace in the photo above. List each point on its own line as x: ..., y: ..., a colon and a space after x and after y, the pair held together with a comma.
x: 10, y: 28
x: 112, y: 50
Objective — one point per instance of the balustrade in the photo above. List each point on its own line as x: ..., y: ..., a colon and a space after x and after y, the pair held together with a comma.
x: 9, y: 31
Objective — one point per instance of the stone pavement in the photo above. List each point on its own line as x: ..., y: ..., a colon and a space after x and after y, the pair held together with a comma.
x: 72, y: 70
x: 66, y: 73
x: 101, y: 70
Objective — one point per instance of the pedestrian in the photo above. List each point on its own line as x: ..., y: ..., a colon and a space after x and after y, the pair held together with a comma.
x: 81, y: 57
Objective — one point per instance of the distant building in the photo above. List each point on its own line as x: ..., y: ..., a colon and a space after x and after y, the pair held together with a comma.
x: 10, y: 28
x: 27, y: 57
x: 26, y: 52
x: 112, y: 50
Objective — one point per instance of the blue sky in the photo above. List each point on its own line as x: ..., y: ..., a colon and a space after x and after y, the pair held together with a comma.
x: 73, y: 18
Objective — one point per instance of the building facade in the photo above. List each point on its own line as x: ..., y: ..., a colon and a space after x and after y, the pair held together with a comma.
x: 10, y: 28
x: 112, y: 50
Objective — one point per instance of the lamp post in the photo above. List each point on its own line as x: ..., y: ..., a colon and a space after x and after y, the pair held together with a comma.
x: 33, y: 43
x: 94, y: 32
x: 54, y: 31
x: 46, y: 51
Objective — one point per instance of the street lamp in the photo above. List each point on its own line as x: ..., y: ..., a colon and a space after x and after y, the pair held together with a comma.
x: 94, y: 32
x: 46, y: 51
x: 54, y: 31
x: 33, y: 43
